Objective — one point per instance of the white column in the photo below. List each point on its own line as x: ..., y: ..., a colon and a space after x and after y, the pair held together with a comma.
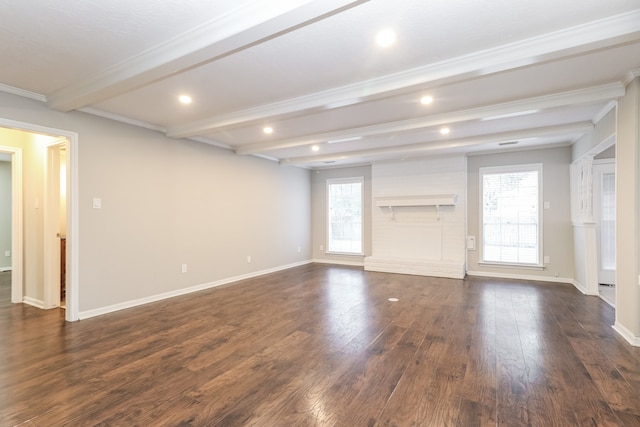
x: 628, y: 214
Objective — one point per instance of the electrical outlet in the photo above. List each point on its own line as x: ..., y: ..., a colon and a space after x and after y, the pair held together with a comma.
x: 184, y: 268
x: 248, y: 259
x: 299, y: 249
x: 547, y: 260
x: 321, y: 248
x: 97, y: 203
x: 7, y: 253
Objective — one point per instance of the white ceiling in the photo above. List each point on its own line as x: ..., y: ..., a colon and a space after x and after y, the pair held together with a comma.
x: 311, y: 70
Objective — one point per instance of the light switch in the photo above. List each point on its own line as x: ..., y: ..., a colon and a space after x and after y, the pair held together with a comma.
x: 547, y: 205
x: 97, y: 203
x: 471, y: 243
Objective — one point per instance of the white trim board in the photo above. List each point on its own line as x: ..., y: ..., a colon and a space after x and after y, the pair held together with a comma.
x: 33, y: 302
x: 166, y: 295
x: 526, y: 277
x: 2, y: 269
x: 626, y: 334
x: 338, y: 262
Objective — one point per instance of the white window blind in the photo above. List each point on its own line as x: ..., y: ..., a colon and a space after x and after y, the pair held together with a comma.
x: 511, y: 223
x: 608, y: 222
x: 344, y: 203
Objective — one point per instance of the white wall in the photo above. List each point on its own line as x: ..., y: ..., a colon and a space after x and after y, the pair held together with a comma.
x: 557, y: 231
x: 319, y: 213
x: 166, y: 202
x: 5, y: 213
x: 419, y: 240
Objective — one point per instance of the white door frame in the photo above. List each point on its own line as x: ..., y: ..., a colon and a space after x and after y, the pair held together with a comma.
x: 52, y: 224
x: 16, y: 223
x: 601, y: 167
x: 72, y: 299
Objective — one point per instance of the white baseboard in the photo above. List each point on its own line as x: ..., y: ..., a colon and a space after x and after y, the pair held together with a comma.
x: 153, y: 298
x: 579, y: 286
x: 339, y: 262
x: 627, y: 334
x: 526, y: 277
x: 450, y: 269
x: 33, y: 302
x: 2, y: 269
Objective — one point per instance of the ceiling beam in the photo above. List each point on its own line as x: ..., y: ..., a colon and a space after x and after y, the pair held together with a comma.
x: 581, y: 96
x: 253, y: 23
x: 572, y: 128
x: 608, y: 32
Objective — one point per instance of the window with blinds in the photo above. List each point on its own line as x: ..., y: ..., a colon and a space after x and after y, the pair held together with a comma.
x: 344, y: 216
x: 510, y: 214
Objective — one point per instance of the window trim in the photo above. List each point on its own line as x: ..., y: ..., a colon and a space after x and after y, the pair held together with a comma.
x: 511, y: 169
x: 348, y: 180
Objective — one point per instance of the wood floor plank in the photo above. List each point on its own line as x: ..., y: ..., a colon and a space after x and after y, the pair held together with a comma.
x: 322, y: 345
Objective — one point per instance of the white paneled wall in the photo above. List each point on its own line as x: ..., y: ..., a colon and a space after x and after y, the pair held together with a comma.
x: 422, y: 240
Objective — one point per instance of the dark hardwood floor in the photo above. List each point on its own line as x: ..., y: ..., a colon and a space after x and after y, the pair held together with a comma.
x: 322, y: 346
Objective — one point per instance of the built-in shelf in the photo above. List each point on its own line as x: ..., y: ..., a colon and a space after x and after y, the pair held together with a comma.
x: 424, y: 200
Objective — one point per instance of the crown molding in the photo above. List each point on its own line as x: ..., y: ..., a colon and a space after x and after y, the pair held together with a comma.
x: 516, y: 149
x: 612, y: 31
x: 210, y: 141
x: 580, y: 96
x: 246, y: 26
x: 610, y: 106
x: 631, y: 75
x: 22, y: 92
x: 121, y: 119
x: 426, y: 147
x: 147, y: 125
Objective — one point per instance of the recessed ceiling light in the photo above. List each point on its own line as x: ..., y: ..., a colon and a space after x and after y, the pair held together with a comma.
x: 394, y: 299
x: 315, y: 148
x: 267, y: 130
x: 426, y: 100
x: 185, y: 99
x: 445, y: 131
x: 385, y: 38
x: 507, y: 115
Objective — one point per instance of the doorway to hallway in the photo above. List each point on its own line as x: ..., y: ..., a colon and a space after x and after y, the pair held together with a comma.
x: 44, y: 205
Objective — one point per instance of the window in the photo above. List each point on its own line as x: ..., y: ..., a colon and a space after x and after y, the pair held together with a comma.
x: 510, y: 214
x: 344, y: 213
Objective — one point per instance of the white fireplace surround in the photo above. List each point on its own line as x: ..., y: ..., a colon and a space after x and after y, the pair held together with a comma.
x: 417, y: 228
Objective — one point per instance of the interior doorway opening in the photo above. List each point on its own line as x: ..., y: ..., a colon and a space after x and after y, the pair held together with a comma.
x: 604, y: 214
x: 55, y: 227
x: 44, y: 204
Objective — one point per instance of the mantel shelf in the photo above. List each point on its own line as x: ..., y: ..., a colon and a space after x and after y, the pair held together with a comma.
x: 423, y: 200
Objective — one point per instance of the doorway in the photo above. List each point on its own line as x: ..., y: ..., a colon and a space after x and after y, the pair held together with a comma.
x: 14, y: 155
x: 604, y: 215
x: 55, y: 226
x: 5, y: 227
x: 54, y: 152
